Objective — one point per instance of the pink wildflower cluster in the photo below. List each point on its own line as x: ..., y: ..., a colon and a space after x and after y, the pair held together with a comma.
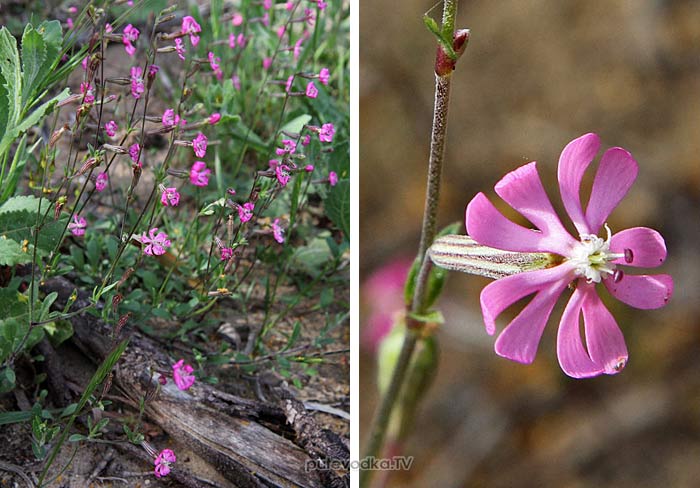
x: 245, y: 211
x: 278, y: 231
x: 170, y: 118
x: 169, y: 196
x: 88, y: 93
x: 182, y: 375
x: 163, y: 461
x: 137, y: 86
x: 101, y: 181
x: 583, y: 262
x: 77, y: 226
x: 216, y: 68
x: 192, y: 28
x: 199, y: 144
x: 199, y: 174
x: 155, y: 242
x: 130, y: 35
x: 111, y: 128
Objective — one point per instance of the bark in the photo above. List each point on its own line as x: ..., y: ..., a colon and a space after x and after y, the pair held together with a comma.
x: 250, y: 443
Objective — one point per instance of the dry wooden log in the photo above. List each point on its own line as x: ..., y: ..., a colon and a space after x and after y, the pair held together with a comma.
x: 241, y: 438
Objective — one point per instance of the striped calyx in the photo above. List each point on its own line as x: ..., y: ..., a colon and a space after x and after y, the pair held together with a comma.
x: 462, y: 253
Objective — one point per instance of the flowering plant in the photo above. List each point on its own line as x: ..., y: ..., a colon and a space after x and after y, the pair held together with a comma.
x: 548, y: 260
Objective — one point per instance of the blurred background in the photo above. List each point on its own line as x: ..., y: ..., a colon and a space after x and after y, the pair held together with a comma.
x: 536, y: 75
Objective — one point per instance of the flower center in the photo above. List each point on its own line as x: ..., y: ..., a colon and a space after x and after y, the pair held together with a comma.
x: 592, y: 258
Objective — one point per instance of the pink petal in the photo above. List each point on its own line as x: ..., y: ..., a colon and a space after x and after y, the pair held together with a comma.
x: 574, y: 159
x: 616, y: 173
x: 573, y: 357
x: 606, y: 345
x: 647, y: 246
x: 607, y: 352
x: 488, y: 226
x: 645, y: 292
x: 520, y: 339
x: 501, y: 294
x: 522, y: 189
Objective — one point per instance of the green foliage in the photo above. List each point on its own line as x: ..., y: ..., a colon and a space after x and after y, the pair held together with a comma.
x: 18, y: 218
x: 22, y: 85
x: 338, y: 206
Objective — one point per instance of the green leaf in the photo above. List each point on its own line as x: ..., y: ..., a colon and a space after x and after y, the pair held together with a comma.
x: 338, y: 206
x: 295, y: 125
x: 34, y: 66
x: 18, y: 217
x: 10, y: 81
x: 310, y: 258
x: 14, y: 129
x: 7, y: 380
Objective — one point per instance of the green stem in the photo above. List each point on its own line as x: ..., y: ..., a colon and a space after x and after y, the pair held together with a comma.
x: 429, y: 228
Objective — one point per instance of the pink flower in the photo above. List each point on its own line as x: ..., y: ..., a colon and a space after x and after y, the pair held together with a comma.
x: 289, y: 5
x: 213, y: 61
x: 134, y: 152
x: 199, y: 174
x: 77, y: 227
x: 273, y: 163
x: 101, y: 182
x: 297, y: 46
x: 155, y: 241
x: 311, y: 90
x: 245, y: 211
x: 281, y: 30
x: 153, y: 71
x: 321, y: 5
x: 310, y: 16
x: 84, y: 62
x: 232, y: 40
x: 236, y: 81
x: 267, y: 4
x: 383, y: 295
x: 191, y: 27
x: 309, y: 168
x: 282, y: 173
x: 266, y: 63
x: 169, y: 196
x: 333, y: 178
x: 237, y: 19
x: 108, y: 27
x: 163, y: 461
x: 214, y: 118
x: 289, y: 147
x: 326, y: 132
x: 137, y: 87
x: 583, y: 262
x: 226, y: 253
x: 180, y: 48
x: 241, y: 40
x: 111, y: 128
x: 199, y: 144
x: 306, y: 140
x: 278, y: 231
x: 87, y: 91
x: 288, y: 85
x: 130, y: 35
x: 324, y: 75
x: 170, y: 118
x: 182, y: 375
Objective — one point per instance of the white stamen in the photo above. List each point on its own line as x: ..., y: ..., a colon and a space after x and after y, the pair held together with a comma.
x: 592, y: 258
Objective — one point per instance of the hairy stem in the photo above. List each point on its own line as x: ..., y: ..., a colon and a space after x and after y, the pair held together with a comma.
x: 437, y: 152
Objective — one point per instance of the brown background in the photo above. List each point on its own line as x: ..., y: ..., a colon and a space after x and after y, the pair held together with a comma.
x: 535, y: 75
